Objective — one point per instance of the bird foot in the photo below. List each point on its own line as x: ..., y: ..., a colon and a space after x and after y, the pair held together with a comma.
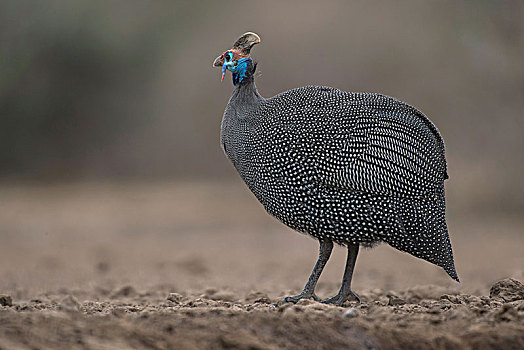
x: 304, y: 295
x: 341, y: 298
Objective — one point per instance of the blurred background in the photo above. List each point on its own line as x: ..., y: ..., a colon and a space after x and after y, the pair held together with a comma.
x: 111, y: 110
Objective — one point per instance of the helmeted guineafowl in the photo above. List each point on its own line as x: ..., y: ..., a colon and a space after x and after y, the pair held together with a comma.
x: 344, y: 167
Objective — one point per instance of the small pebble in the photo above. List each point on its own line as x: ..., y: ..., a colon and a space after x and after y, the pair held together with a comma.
x: 351, y: 313
x: 6, y: 300
x: 508, y: 289
x: 174, y: 297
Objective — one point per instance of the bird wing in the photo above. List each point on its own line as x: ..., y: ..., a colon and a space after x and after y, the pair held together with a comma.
x: 386, y: 147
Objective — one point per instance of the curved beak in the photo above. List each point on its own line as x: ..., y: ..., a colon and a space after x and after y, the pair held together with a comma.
x: 219, y: 61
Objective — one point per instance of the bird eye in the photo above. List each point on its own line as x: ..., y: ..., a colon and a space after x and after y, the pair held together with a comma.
x: 228, y: 56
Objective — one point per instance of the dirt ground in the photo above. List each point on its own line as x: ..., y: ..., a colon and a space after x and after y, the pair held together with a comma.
x: 191, y: 265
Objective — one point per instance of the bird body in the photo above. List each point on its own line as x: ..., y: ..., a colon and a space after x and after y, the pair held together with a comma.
x: 349, y: 168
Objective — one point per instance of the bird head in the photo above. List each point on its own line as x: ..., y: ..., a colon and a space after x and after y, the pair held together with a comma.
x: 238, y: 58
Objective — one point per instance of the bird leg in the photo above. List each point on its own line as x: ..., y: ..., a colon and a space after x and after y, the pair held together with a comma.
x: 345, y: 289
x: 326, y: 246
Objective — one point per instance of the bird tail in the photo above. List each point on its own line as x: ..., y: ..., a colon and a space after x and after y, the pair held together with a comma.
x: 425, y: 233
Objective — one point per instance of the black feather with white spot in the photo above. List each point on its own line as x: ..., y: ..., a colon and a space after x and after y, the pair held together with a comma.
x: 354, y: 168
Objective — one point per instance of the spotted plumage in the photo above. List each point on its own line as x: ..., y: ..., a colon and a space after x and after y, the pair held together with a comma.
x: 350, y: 168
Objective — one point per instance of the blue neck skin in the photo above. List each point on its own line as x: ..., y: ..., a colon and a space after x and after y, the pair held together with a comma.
x: 238, y: 68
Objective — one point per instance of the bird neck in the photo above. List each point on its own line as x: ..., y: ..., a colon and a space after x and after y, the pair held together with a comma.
x: 246, y: 92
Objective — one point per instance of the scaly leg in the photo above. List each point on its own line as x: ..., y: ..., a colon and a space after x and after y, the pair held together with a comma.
x: 345, y: 289
x: 326, y: 247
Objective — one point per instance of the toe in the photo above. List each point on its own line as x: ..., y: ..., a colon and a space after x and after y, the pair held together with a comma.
x: 294, y: 299
x: 340, y: 299
x: 336, y: 300
x: 351, y: 294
